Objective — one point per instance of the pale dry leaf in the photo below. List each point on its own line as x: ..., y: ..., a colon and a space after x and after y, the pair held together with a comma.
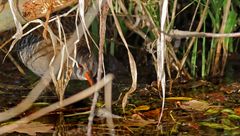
x: 195, y: 105
x: 104, y: 113
x: 34, y: 127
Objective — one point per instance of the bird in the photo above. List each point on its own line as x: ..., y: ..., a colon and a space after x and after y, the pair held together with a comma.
x: 36, y: 51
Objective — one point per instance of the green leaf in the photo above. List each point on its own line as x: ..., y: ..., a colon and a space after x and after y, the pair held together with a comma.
x: 234, y: 117
x: 217, y: 126
x: 228, y: 111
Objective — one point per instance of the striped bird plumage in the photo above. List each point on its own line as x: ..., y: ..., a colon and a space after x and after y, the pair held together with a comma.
x: 36, y: 52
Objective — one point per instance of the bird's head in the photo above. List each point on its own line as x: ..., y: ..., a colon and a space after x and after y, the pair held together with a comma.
x: 86, y: 67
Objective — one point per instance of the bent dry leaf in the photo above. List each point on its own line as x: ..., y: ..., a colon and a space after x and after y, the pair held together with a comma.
x: 161, y: 49
x: 132, y: 62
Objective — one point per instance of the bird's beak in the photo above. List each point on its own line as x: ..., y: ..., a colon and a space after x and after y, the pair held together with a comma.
x: 89, y: 78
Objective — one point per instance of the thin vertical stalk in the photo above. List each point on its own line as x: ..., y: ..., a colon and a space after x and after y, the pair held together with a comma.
x: 220, y: 41
x: 202, y: 19
x: 194, y: 58
x: 204, y: 54
x: 103, y: 17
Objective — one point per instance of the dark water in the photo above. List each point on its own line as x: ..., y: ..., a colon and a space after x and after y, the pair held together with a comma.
x: 221, y: 118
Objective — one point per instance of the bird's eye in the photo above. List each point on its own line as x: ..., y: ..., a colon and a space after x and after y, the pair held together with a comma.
x: 79, y: 65
x: 80, y: 72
